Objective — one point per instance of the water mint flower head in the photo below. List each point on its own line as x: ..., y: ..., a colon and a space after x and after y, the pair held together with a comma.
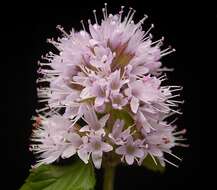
x: 108, y: 76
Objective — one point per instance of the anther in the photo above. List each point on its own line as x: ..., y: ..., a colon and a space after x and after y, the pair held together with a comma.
x: 89, y: 21
x: 143, y: 19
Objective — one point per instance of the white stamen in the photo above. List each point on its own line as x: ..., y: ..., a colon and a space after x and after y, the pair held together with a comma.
x: 177, y: 101
x: 62, y: 30
x: 167, y: 49
x: 180, y: 132
x: 149, y: 37
x: 42, y: 109
x: 174, y: 155
x: 174, y: 96
x: 106, y: 11
x: 181, y: 139
x: 121, y: 13
x: 95, y: 17
x: 162, y: 77
x: 182, y: 145
x: 54, y: 43
x: 39, y: 80
x: 158, y: 42
x: 103, y: 12
x: 166, y: 69
x: 128, y: 15
x: 143, y: 19
x: 176, y: 111
x: 178, y: 89
x: 153, y: 158
x: 170, y: 163
x: 82, y: 23
x: 167, y: 52
x: 43, y: 64
x: 131, y: 17
x: 44, y: 100
x: 147, y: 32
x: 173, y: 121
x: 174, y: 86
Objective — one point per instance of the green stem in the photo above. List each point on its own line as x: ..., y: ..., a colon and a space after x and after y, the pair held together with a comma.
x: 109, y: 174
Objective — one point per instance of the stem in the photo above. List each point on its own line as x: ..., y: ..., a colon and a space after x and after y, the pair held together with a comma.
x: 109, y: 174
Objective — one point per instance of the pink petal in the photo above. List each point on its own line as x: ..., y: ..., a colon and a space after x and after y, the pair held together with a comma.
x: 75, y: 140
x: 138, y: 153
x: 100, y: 132
x: 134, y: 104
x: 52, y: 158
x: 68, y: 152
x: 129, y: 159
x: 117, y: 128
x: 121, y: 150
x: 99, y: 101
x: 130, y: 140
x: 97, y: 159
x: 106, y: 147
x: 140, y: 70
x: 83, y: 155
x: 156, y: 152
x: 103, y: 120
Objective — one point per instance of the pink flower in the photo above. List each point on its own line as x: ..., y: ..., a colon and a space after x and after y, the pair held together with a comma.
x: 118, y: 135
x: 118, y: 100
x: 55, y: 138
x: 59, y: 90
x: 161, y: 140
x: 93, y: 123
x: 131, y: 150
x: 115, y: 81
x: 100, y: 91
x: 95, y: 147
x: 148, y: 91
x: 142, y: 121
x: 101, y: 59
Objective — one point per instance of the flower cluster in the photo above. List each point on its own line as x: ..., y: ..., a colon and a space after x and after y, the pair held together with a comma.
x: 101, y: 72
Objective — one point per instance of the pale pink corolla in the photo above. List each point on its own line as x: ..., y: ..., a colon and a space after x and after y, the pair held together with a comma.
x: 94, y: 147
x: 118, y: 134
x: 131, y: 150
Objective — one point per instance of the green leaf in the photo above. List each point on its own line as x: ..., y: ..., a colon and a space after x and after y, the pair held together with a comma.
x: 150, y: 164
x: 77, y: 176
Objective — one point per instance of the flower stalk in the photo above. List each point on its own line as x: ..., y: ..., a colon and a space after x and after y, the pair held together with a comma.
x: 109, y: 175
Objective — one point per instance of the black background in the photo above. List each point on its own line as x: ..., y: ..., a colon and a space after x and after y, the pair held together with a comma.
x: 25, y: 27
